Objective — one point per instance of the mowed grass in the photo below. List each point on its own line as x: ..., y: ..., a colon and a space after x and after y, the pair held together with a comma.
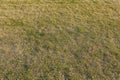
x: 60, y: 40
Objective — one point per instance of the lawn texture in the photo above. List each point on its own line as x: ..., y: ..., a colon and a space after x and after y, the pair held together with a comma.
x: 59, y: 40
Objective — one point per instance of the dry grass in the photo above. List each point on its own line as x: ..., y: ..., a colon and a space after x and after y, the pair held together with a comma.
x: 60, y: 40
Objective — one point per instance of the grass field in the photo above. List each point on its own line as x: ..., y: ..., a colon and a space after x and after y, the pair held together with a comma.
x: 60, y: 40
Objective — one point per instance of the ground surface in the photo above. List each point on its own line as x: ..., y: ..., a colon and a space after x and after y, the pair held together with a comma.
x: 60, y: 40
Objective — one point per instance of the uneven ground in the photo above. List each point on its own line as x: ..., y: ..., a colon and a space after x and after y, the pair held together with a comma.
x: 60, y: 40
